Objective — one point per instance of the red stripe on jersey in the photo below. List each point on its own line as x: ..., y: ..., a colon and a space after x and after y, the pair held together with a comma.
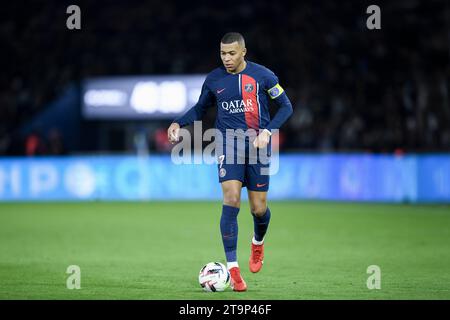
x: 248, y: 89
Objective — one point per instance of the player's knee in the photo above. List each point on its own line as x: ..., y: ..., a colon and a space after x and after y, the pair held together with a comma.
x: 259, y: 209
x: 232, y: 199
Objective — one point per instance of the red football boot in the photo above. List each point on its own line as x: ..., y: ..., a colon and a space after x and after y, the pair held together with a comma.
x: 256, y: 257
x: 237, y: 283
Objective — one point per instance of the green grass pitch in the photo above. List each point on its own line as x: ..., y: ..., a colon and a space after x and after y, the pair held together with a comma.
x: 154, y: 250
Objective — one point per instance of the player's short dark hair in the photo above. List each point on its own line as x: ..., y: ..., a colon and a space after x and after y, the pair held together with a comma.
x: 231, y: 37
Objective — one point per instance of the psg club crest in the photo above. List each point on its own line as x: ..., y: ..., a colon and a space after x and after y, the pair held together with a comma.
x: 222, y: 172
x: 248, y: 87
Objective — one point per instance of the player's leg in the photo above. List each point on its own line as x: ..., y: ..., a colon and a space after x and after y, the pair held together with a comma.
x: 261, y: 219
x: 257, y: 185
x: 231, y: 190
x: 261, y: 214
x: 229, y: 229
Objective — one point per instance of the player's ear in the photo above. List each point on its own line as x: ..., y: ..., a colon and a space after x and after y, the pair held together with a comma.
x: 244, y: 51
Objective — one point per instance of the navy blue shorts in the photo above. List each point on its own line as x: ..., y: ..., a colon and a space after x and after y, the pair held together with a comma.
x: 253, y: 174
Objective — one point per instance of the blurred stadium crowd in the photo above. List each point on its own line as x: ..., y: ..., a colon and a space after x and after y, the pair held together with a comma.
x: 352, y: 89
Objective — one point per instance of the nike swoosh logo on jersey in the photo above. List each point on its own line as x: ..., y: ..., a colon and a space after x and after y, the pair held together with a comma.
x: 219, y: 91
x: 259, y: 185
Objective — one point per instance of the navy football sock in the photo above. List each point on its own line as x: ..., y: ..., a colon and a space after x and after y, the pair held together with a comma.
x: 229, y: 230
x: 261, y: 224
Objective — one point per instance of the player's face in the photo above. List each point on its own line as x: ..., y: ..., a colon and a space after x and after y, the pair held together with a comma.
x: 232, y: 55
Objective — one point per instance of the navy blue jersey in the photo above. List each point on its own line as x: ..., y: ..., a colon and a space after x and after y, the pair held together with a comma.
x: 242, y: 99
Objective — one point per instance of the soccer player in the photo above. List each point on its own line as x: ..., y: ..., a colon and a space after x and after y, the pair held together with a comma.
x: 241, y: 90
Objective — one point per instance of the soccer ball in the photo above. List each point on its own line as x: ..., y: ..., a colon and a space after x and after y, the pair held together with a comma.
x: 213, y: 277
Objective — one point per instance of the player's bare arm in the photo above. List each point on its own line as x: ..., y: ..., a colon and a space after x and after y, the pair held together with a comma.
x: 262, y: 140
x: 173, y: 132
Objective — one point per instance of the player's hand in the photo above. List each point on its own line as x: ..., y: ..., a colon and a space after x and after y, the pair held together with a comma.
x: 173, y: 133
x: 262, y: 139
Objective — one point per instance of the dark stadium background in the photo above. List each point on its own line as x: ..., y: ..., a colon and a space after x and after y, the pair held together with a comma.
x: 372, y: 103
x: 351, y: 88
